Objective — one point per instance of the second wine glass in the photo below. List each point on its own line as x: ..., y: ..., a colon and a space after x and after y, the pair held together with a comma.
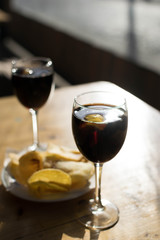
x: 32, y: 81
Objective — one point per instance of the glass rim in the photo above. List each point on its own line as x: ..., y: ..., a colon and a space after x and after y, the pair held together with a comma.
x: 32, y: 58
x: 124, y: 102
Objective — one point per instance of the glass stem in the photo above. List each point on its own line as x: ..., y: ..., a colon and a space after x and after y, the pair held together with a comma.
x: 98, y: 177
x: 35, y: 127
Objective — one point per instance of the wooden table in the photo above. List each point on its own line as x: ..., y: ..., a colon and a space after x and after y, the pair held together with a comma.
x: 130, y: 180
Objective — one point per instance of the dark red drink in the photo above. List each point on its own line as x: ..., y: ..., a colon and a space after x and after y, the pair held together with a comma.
x: 32, y: 87
x: 99, y: 131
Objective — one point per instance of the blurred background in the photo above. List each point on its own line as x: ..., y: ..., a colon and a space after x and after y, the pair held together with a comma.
x: 88, y: 40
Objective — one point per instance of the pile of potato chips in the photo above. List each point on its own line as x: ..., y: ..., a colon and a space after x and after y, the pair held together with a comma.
x: 58, y: 169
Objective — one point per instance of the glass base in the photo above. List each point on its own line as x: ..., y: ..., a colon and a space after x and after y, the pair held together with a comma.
x: 99, y: 218
x: 40, y: 147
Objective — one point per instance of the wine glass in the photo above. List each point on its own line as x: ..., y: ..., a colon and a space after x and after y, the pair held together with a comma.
x: 99, y: 125
x: 32, y: 81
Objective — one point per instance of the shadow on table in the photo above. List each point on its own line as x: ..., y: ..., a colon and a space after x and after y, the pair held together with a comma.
x: 21, y: 219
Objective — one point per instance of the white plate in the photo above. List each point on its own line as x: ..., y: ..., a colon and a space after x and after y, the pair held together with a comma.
x: 21, y: 191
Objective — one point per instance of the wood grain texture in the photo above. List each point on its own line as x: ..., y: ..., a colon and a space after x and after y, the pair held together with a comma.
x: 130, y: 180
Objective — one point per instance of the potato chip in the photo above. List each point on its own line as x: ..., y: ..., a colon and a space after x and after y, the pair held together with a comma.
x: 80, y: 172
x: 43, y: 189
x: 13, y: 167
x: 55, y: 152
x: 57, y: 170
x: 48, y: 181
x: 85, y: 169
x: 30, y: 163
